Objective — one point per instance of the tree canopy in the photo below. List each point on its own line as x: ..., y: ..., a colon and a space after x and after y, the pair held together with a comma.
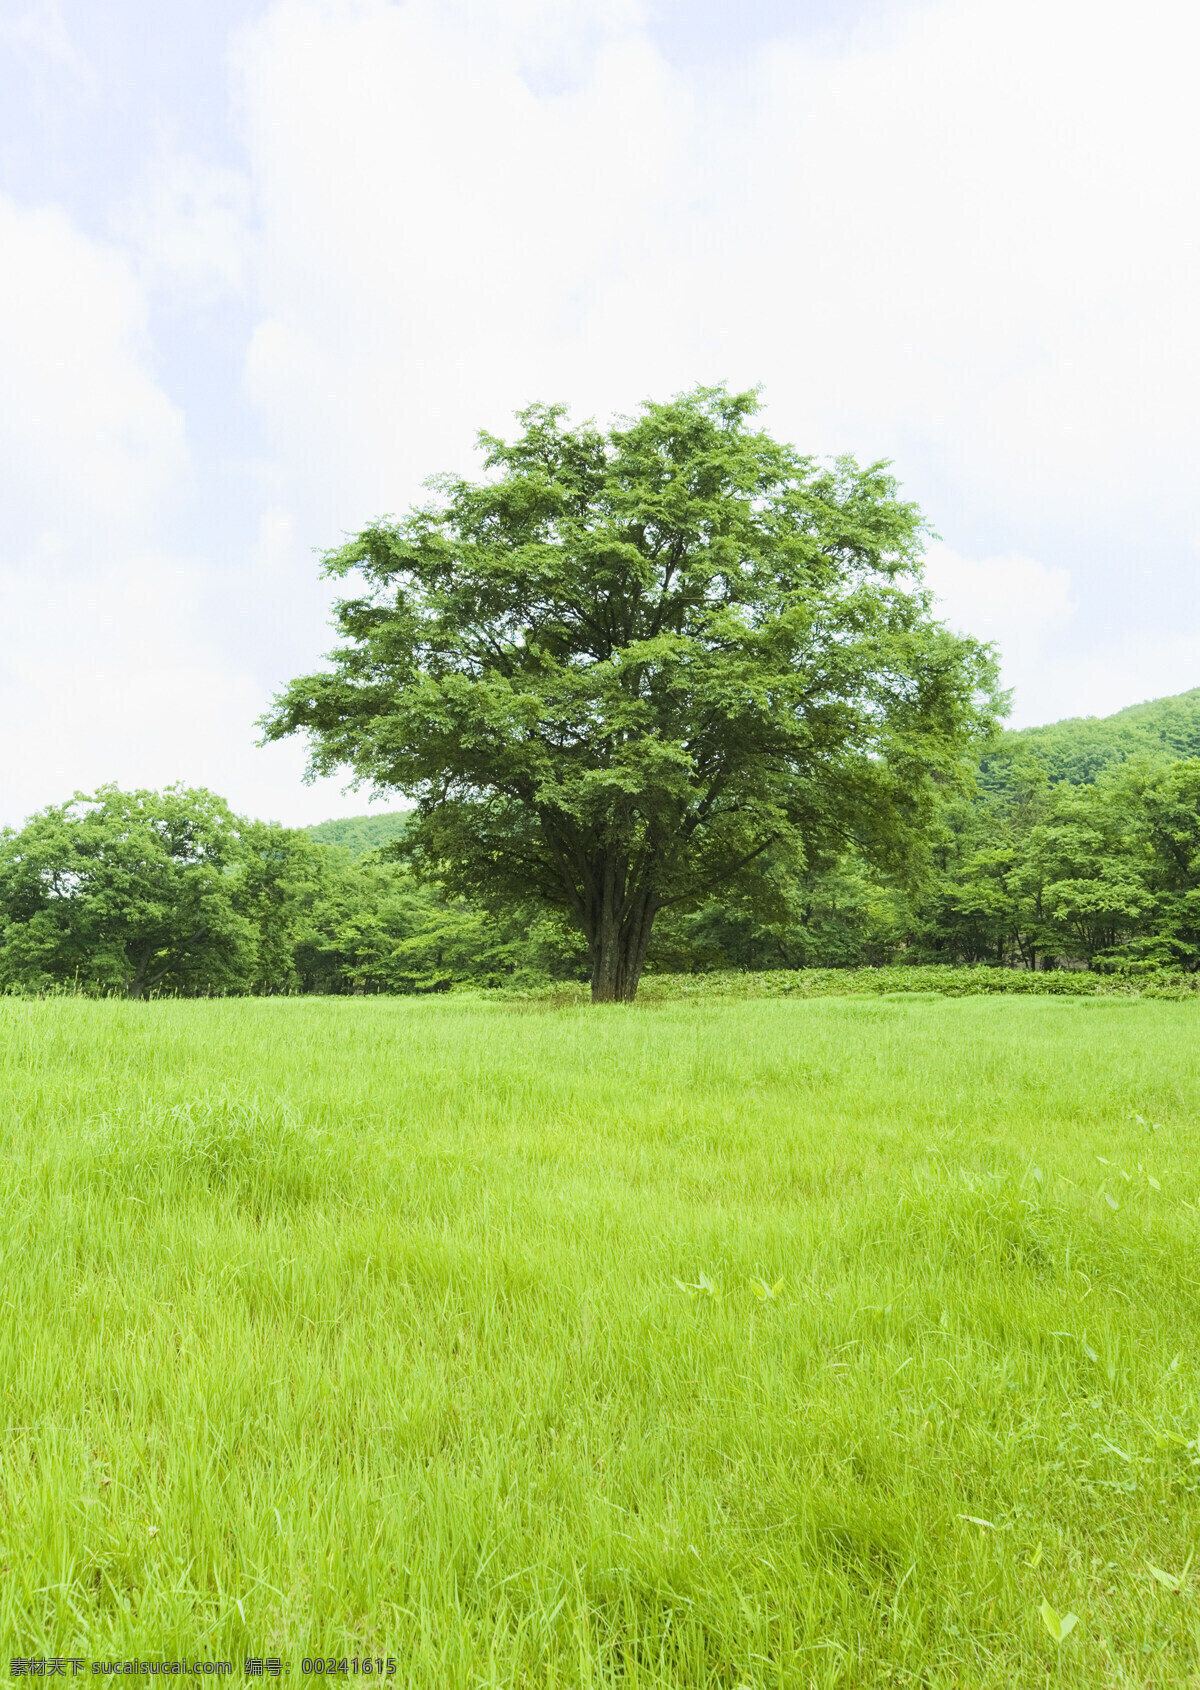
x: 636, y: 665
x: 151, y: 893
x: 126, y: 892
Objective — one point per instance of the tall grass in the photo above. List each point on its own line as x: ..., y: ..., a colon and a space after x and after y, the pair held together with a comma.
x: 705, y: 1344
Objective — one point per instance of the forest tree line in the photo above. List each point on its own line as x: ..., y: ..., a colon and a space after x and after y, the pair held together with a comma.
x: 1080, y: 846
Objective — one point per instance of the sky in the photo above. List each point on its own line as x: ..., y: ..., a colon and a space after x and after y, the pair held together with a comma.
x: 265, y: 265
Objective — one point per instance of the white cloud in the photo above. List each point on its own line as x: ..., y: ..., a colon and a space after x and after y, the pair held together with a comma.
x: 1015, y: 601
x: 39, y: 26
x: 90, y: 450
x: 969, y: 240
x: 88, y: 439
x: 189, y: 229
x: 1030, y: 609
x: 999, y: 598
x: 440, y: 243
x: 114, y: 673
x: 1108, y: 675
x: 976, y: 239
x: 117, y: 660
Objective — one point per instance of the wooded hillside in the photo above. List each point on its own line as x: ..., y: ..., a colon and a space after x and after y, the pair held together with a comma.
x: 1082, y: 747
x: 360, y: 835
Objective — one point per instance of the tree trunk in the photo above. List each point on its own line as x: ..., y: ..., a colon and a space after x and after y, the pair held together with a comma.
x: 614, y: 903
x: 137, y: 984
x: 618, y: 942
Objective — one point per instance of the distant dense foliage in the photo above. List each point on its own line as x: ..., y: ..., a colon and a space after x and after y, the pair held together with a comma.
x: 143, y: 892
x: 1080, y: 846
x: 360, y: 835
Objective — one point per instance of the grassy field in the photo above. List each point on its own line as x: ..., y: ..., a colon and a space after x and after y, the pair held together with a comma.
x: 701, y: 1344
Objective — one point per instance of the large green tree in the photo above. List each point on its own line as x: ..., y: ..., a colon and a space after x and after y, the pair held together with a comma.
x: 631, y: 665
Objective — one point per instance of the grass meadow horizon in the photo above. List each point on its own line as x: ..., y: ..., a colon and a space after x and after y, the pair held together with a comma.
x: 712, y: 1343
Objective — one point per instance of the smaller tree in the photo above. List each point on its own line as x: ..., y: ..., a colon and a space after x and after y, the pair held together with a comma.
x: 373, y: 927
x: 283, y: 878
x: 126, y: 892
x: 1154, y: 810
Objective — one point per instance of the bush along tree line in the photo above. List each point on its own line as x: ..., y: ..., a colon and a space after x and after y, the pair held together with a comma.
x: 665, y: 696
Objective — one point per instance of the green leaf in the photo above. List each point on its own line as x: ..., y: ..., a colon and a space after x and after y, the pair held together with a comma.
x: 1171, y: 1580
x: 1059, y: 1626
x: 763, y: 1291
